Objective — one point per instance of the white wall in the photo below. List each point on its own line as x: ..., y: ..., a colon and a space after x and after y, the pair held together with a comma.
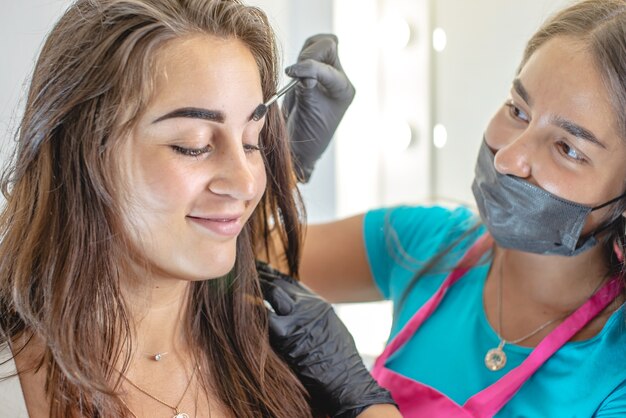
x: 294, y: 21
x: 385, y: 52
x: 472, y: 77
x: 460, y: 87
x: 23, y: 26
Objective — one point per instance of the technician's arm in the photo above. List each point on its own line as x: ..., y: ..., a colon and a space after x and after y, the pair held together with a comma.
x: 334, y: 262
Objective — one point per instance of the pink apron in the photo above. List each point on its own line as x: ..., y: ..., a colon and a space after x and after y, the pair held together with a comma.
x: 419, y: 400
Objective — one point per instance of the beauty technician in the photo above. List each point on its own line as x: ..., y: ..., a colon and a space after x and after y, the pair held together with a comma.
x: 517, y: 311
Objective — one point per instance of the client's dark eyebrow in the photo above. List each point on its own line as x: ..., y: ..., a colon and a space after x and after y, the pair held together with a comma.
x: 193, y: 113
x: 521, y: 90
x: 576, y: 130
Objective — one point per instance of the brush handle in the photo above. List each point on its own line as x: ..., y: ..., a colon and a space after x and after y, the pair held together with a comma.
x: 261, y: 109
x: 282, y: 91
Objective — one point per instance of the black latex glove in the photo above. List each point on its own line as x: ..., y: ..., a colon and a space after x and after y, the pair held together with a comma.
x: 307, y: 333
x: 314, y: 108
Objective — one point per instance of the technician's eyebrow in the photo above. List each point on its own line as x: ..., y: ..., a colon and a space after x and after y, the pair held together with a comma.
x: 576, y: 130
x: 521, y: 90
x: 193, y: 113
x: 567, y: 125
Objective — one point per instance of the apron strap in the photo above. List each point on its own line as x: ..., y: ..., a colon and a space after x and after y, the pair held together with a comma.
x: 490, y: 400
x: 471, y: 257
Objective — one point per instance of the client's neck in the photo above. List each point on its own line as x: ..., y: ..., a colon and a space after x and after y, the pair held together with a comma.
x: 158, y: 312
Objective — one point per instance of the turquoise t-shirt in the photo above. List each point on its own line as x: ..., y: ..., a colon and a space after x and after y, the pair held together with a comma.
x: 582, y: 379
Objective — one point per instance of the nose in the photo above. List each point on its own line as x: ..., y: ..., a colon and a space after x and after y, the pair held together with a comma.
x: 234, y: 175
x: 514, y: 158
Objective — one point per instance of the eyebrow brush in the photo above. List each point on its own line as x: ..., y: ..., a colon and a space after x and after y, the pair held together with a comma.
x: 261, y: 109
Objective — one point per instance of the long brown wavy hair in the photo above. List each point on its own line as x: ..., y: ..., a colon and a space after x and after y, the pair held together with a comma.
x: 64, y: 250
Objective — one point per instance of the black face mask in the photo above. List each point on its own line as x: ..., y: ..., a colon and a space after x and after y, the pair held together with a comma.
x: 522, y: 216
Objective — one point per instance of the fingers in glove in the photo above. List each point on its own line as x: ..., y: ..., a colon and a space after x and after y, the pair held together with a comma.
x: 293, y: 288
x: 281, y: 302
x: 271, y: 274
x: 323, y: 48
x: 312, y: 71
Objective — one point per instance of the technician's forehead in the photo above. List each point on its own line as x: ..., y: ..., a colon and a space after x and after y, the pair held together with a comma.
x: 562, y: 79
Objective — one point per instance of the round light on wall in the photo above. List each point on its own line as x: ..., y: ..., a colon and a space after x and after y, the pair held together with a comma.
x: 440, y: 135
x: 396, y: 32
x: 399, y: 135
x: 440, y: 39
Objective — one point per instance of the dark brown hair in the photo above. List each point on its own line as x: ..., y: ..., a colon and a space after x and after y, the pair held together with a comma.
x: 64, y: 249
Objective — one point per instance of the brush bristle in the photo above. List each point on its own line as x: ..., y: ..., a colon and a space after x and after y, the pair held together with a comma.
x: 259, y: 112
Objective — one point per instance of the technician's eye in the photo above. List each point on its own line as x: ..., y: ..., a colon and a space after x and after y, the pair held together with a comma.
x: 516, y: 112
x: 570, y: 152
x: 191, y: 152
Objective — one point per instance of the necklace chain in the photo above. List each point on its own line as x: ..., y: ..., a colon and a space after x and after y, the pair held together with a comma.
x: 496, y: 358
x: 527, y: 336
x: 172, y: 407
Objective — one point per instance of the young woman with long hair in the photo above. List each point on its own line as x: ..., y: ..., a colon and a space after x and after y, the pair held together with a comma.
x: 517, y: 310
x: 128, y: 285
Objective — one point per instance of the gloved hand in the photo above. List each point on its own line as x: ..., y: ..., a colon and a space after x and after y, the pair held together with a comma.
x: 315, y: 107
x: 307, y: 333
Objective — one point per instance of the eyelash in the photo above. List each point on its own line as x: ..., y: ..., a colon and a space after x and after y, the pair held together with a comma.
x: 562, y: 145
x: 190, y: 152
x: 515, y: 111
x: 197, y: 152
x: 249, y: 148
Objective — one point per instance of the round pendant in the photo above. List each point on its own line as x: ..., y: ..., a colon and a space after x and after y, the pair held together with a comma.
x: 157, y: 357
x: 181, y: 415
x: 495, y: 359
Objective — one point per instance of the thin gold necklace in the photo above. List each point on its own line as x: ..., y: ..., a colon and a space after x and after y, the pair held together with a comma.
x: 177, y: 413
x: 495, y: 359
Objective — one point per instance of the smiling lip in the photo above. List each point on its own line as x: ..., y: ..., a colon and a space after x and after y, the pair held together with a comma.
x: 226, y: 226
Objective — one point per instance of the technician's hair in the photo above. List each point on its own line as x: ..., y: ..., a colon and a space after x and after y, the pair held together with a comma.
x: 601, y: 25
x: 64, y: 251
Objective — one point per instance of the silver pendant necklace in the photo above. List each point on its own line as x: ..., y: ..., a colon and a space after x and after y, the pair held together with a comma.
x: 495, y: 358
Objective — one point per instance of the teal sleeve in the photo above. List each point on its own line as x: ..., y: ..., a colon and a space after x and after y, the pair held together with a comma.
x: 400, y: 240
x: 614, y: 405
x: 373, y: 237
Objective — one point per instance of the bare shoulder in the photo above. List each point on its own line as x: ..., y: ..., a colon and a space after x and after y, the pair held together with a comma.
x: 31, y: 378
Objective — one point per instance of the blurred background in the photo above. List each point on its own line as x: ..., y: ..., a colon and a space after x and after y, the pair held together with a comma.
x: 428, y: 75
